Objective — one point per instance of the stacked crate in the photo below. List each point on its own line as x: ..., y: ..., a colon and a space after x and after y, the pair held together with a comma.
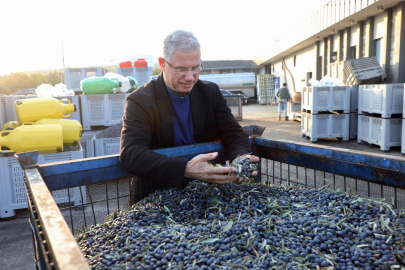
x: 141, y: 74
x: 12, y: 191
x: 102, y: 110
x: 325, y: 112
x: 380, y: 115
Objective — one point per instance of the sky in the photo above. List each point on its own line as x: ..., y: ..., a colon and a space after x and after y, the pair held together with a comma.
x: 100, y: 33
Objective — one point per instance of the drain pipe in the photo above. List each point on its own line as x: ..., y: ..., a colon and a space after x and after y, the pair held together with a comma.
x: 296, y: 97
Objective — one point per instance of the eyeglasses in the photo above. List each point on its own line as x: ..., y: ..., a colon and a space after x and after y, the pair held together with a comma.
x: 183, y: 70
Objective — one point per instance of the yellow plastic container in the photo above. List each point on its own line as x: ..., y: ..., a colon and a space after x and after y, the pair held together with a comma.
x: 71, y: 129
x: 42, y: 138
x: 10, y: 125
x: 34, y: 109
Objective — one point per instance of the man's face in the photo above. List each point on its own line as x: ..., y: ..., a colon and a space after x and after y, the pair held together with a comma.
x: 181, y: 84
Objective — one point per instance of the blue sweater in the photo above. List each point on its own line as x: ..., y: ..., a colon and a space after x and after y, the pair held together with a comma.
x: 182, y: 120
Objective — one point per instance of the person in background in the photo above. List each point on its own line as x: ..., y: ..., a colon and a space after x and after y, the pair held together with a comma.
x: 283, y: 97
x: 178, y: 109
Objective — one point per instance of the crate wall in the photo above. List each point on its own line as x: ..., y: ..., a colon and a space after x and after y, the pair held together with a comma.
x: 102, y: 110
x: 383, y: 99
x: 353, y: 125
x: 326, y: 98
x: 12, y: 190
x: 385, y: 133
x: 354, y: 99
x: 2, y: 114
x: 9, y: 107
x: 141, y: 74
x: 73, y: 76
x: 106, y: 146
x: 293, y: 110
x: 317, y: 126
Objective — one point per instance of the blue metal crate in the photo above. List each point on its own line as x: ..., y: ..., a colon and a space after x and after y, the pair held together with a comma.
x: 108, y: 185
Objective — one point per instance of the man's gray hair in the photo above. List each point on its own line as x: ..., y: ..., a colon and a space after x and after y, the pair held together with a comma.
x: 179, y: 40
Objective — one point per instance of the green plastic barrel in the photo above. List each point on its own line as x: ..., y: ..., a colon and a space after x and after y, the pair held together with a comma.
x: 100, y: 85
x: 133, y: 83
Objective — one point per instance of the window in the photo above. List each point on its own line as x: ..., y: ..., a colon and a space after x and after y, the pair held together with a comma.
x: 352, y: 53
x: 334, y: 57
x: 309, y: 77
x: 378, y: 50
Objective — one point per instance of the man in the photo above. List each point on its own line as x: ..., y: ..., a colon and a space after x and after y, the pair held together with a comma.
x: 178, y: 109
x: 283, y: 97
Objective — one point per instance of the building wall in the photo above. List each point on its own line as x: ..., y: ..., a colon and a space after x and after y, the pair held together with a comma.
x: 360, y: 40
x: 304, y: 63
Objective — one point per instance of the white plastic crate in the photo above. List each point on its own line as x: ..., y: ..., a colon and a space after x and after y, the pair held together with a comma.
x: 327, y: 98
x: 102, y: 110
x: 353, y: 125
x: 293, y: 110
x: 74, y: 100
x: 383, y: 132
x: 9, y: 106
x: 383, y: 99
x: 141, y: 74
x: 318, y: 126
x: 2, y: 114
x: 12, y: 190
x: 106, y: 146
x: 73, y: 76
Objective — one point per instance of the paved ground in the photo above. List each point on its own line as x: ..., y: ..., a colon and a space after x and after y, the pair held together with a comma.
x: 16, y: 248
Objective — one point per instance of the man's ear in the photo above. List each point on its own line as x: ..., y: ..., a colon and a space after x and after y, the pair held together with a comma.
x: 162, y: 63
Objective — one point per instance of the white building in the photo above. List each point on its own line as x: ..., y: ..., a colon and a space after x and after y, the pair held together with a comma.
x: 340, y: 30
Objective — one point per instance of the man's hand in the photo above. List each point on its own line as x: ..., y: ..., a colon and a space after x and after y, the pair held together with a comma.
x: 198, y: 168
x: 252, y: 158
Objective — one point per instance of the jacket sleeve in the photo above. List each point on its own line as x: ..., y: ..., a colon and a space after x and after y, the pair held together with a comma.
x: 277, y: 95
x: 136, y: 155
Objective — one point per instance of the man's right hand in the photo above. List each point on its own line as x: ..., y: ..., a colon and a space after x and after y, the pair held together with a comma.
x: 199, y: 168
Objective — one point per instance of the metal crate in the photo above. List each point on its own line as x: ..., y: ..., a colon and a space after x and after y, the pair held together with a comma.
x: 317, y: 126
x: 385, y: 133
x: 281, y: 162
x: 12, y: 191
x: 382, y: 99
x: 235, y: 102
x: 328, y: 98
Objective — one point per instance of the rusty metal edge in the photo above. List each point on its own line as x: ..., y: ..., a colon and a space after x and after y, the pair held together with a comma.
x: 56, y: 231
